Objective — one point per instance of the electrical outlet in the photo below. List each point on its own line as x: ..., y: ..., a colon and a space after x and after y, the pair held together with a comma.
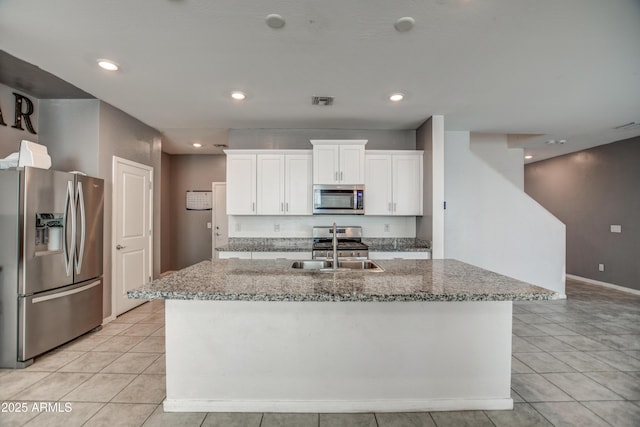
x: 387, y: 228
x: 616, y: 229
x: 600, y: 267
x: 209, y: 225
x: 276, y: 227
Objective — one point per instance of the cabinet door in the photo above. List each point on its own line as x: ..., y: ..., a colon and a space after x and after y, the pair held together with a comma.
x: 407, y: 184
x: 351, y: 164
x: 241, y: 184
x: 378, y: 178
x: 270, y: 185
x: 298, y: 184
x: 325, y: 164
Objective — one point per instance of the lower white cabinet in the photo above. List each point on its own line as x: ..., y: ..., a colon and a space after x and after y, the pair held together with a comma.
x: 400, y: 255
x: 263, y: 255
x: 234, y: 254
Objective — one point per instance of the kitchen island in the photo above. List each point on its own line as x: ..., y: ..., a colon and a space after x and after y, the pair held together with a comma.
x: 258, y: 336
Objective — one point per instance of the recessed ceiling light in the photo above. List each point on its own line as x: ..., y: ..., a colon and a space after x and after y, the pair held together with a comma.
x: 528, y: 157
x: 404, y: 24
x: 562, y: 141
x: 237, y: 95
x: 551, y: 142
x: 108, y: 65
x: 275, y: 21
x: 396, y: 97
x: 197, y: 144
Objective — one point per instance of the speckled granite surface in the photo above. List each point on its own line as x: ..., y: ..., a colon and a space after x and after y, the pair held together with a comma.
x: 397, y: 244
x: 402, y: 280
x: 304, y: 244
x: 267, y: 245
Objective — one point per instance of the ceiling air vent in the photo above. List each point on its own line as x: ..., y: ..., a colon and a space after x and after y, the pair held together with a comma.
x: 628, y: 126
x: 322, y: 100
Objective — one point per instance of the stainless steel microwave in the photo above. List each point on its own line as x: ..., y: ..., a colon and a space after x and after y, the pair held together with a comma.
x: 338, y: 199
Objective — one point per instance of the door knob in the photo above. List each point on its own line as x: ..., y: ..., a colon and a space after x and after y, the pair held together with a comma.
x: 118, y: 247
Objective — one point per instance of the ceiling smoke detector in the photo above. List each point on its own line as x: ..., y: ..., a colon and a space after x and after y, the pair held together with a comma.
x: 322, y: 100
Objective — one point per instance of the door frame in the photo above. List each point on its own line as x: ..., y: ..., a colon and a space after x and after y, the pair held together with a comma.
x: 213, y: 216
x: 114, y: 195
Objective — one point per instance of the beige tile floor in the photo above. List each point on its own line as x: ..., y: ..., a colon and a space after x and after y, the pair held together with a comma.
x: 575, y: 363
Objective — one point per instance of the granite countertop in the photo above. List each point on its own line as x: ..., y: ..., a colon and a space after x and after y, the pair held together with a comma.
x: 402, y: 280
x: 304, y: 245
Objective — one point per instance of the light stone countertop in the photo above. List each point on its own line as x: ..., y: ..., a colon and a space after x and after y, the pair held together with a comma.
x: 402, y: 280
x: 305, y: 245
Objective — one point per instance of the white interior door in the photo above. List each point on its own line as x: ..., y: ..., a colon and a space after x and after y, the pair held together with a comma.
x: 219, y: 218
x: 132, y: 231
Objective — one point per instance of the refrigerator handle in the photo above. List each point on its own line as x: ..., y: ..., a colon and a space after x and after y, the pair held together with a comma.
x: 69, y: 250
x: 83, y: 225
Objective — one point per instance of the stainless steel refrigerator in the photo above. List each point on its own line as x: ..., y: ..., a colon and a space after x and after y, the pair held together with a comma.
x: 51, y: 234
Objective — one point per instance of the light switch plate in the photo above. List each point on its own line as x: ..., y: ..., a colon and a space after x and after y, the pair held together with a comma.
x: 616, y: 229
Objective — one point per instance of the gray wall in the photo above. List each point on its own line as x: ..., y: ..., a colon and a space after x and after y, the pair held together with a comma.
x: 299, y: 138
x: 124, y: 136
x: 70, y: 130
x: 191, y: 242
x: 424, y: 223
x: 589, y: 191
x: 167, y: 234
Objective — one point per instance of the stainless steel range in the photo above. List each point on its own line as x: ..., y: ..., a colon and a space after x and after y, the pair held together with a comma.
x: 349, y: 244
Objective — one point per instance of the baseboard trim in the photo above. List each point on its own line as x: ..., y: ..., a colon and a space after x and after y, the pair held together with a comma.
x: 108, y: 319
x: 335, y: 406
x: 604, y: 284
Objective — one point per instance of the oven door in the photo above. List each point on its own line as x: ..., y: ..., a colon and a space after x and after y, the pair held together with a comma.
x: 338, y: 199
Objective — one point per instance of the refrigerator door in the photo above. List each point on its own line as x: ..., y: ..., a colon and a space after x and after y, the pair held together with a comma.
x: 47, y: 208
x: 50, y: 319
x: 89, y: 196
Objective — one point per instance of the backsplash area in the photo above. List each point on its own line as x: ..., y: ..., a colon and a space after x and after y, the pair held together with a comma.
x: 301, y: 226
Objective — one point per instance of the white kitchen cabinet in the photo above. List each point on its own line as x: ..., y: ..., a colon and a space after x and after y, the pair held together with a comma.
x: 234, y: 254
x: 263, y: 255
x: 284, y: 184
x: 393, y: 183
x: 241, y: 184
x: 338, y: 161
x: 276, y: 255
x: 269, y: 182
x: 399, y: 255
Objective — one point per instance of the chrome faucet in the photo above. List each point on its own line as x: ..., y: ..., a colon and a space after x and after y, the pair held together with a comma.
x: 334, y: 242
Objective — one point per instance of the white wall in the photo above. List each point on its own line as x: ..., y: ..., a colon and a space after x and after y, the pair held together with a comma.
x: 301, y: 226
x: 490, y: 222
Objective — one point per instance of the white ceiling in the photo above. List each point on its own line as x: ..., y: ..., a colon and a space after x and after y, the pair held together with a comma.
x: 550, y: 69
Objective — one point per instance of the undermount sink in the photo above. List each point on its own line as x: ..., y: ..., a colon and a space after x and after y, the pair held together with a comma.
x: 343, y: 265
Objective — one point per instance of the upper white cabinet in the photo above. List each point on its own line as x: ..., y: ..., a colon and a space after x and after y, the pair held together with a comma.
x: 284, y: 184
x: 338, y: 161
x: 269, y: 182
x: 241, y: 184
x: 393, y: 184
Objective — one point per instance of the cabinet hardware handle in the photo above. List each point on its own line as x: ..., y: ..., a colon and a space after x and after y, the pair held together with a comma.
x: 281, y: 206
x: 118, y: 247
x: 253, y: 207
x: 341, y: 177
x: 336, y: 177
x: 286, y: 207
x: 390, y: 207
x: 395, y: 207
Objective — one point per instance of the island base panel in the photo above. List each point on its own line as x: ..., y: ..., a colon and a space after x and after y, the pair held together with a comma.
x: 248, y: 356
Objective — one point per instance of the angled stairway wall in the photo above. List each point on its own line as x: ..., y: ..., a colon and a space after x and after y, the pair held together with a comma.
x: 490, y: 221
